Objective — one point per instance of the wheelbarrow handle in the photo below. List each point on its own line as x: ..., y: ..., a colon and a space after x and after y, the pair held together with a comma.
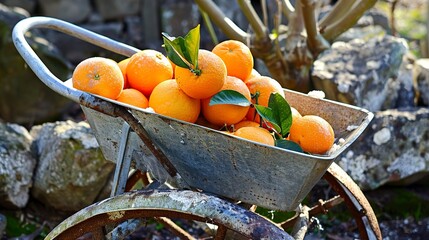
x: 40, y: 69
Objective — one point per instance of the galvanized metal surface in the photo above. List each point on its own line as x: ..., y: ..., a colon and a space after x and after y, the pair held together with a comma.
x: 235, y: 168
x: 202, y: 207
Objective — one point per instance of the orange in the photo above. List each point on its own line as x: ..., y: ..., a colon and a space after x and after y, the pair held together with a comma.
x: 97, y: 75
x: 169, y: 100
x: 173, y: 66
x: 123, y: 66
x: 210, y: 79
x: 245, y: 123
x: 133, y: 97
x: 253, y: 74
x: 295, y: 114
x: 256, y: 134
x: 222, y: 114
x: 237, y: 58
x: 148, y: 68
x: 264, y: 86
x: 313, y: 133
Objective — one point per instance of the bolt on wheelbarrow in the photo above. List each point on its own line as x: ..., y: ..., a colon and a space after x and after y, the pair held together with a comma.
x: 211, y: 171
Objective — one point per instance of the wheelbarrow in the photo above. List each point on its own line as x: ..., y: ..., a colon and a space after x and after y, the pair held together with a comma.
x: 213, y: 177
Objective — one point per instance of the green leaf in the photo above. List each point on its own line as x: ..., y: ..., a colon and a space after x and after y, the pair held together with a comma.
x: 282, y: 112
x: 192, y: 43
x: 268, y: 114
x: 174, y: 51
x: 286, y: 144
x: 183, y: 51
x: 229, y: 97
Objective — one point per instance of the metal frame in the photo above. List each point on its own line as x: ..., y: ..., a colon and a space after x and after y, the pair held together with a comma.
x: 172, y: 202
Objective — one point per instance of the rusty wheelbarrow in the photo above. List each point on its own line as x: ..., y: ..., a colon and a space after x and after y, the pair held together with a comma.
x: 212, y: 177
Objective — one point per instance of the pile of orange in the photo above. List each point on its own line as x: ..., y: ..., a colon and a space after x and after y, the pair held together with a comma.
x: 150, y: 79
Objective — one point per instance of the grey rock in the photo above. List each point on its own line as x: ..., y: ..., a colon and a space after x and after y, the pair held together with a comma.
x: 394, y: 149
x: 72, y: 11
x: 16, y: 166
x: 114, y: 9
x: 72, y: 170
x: 28, y: 5
x: 360, y: 72
x: 365, y: 33
x: 402, y: 90
x: 24, y: 99
x: 421, y: 79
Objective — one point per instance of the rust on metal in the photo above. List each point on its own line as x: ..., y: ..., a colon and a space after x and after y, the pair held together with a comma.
x: 322, y: 207
x: 182, y: 204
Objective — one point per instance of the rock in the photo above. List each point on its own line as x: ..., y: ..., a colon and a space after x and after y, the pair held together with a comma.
x: 379, y: 18
x: 24, y: 99
x: 402, y: 90
x: 365, y: 33
x: 16, y: 166
x: 114, y: 9
x: 421, y: 79
x: 28, y: 5
x: 394, y: 149
x: 72, y: 170
x: 360, y: 72
x: 71, y: 11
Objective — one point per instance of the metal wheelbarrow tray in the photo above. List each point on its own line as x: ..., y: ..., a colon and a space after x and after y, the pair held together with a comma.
x: 207, y: 159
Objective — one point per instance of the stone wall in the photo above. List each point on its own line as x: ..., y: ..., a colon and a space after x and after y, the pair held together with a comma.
x: 135, y: 22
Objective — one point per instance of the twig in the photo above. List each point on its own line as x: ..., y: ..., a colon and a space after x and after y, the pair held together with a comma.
x: 392, y: 17
x: 277, y: 21
x: 287, y: 8
x: 255, y: 22
x: 209, y: 25
x: 338, y: 11
x: 296, y: 23
x: 216, y: 15
x: 347, y: 21
x: 264, y: 11
x: 315, y: 41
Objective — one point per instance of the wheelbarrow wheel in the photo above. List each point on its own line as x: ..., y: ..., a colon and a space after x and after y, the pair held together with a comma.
x: 174, y: 204
x: 349, y: 193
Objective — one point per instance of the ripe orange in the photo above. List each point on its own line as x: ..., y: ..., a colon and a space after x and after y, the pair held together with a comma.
x: 123, y: 66
x: 245, y: 123
x: 208, y: 82
x: 253, y: 74
x: 313, y: 133
x: 295, y: 113
x: 256, y: 134
x: 237, y: 58
x: 133, y: 97
x: 168, y: 99
x: 148, y: 68
x: 97, y: 75
x: 264, y: 86
x: 221, y: 114
x: 173, y: 66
